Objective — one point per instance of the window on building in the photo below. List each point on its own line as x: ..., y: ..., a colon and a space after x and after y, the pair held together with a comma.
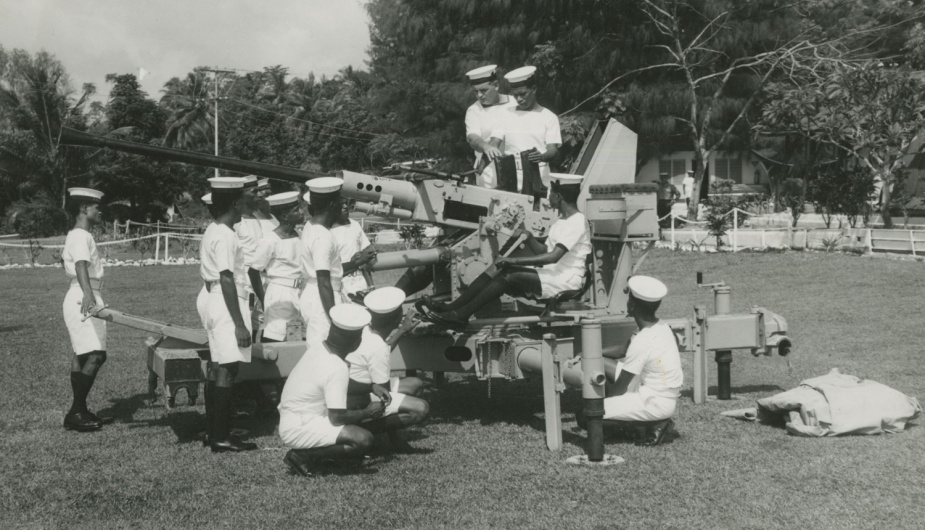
x: 728, y: 169
x: 674, y: 167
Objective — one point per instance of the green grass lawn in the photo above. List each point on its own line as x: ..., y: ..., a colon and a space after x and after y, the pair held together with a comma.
x: 482, y: 461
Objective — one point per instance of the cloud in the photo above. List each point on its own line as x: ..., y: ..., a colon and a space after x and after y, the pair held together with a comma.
x: 169, y: 38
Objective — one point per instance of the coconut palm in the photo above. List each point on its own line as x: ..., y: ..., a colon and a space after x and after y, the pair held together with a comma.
x: 191, y: 111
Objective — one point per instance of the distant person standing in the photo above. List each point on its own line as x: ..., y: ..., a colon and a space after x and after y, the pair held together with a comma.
x: 529, y: 133
x: 482, y: 118
x: 84, y: 268
x: 666, y: 195
x: 687, y: 187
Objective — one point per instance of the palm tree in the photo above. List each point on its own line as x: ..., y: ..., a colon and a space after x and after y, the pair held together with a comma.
x: 190, y: 125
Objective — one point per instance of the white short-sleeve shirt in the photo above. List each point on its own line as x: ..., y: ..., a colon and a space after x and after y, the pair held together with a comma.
x: 80, y: 246
x: 317, y: 384
x: 653, y: 356
x: 573, y: 234
x: 219, y: 251
x: 371, y: 362
x: 280, y: 258
x: 350, y: 239
x: 523, y: 130
x: 319, y: 253
x: 687, y: 187
x: 482, y: 120
x: 250, y: 232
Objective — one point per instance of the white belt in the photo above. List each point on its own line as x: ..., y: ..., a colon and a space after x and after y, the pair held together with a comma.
x: 96, y: 284
x: 216, y: 286
x: 335, y: 284
x: 294, y: 283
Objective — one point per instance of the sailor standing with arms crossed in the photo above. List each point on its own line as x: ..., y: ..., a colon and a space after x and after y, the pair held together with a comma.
x: 84, y: 268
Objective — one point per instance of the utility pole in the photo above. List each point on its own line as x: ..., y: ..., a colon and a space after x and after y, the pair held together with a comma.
x: 216, y: 71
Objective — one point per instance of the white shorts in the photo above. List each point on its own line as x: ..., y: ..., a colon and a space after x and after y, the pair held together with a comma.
x: 88, y: 335
x: 397, y: 399
x: 639, y: 403
x: 223, y: 345
x: 202, y: 305
x: 281, y: 305
x: 354, y: 283
x: 316, y: 431
x: 554, y: 282
x: 317, y: 321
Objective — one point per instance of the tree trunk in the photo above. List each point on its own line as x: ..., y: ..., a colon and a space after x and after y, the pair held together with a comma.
x: 885, y: 202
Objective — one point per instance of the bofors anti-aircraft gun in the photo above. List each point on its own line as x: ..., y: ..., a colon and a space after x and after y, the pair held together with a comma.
x: 573, y: 340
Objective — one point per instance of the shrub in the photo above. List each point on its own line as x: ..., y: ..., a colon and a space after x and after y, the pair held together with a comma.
x: 791, y: 197
x: 35, y: 220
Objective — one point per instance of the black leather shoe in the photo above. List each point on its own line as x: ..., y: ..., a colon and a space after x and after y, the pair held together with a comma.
x: 296, y: 464
x: 656, y: 432
x: 454, y: 324
x: 105, y: 420
x: 81, y: 422
x: 231, y: 445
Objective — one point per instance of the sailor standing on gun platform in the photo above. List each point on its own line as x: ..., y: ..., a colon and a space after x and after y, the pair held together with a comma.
x: 649, y: 379
x: 279, y: 255
x: 529, y: 132
x: 321, y: 265
x: 355, y: 252
x: 84, y: 268
x: 227, y: 312
x: 313, y: 416
x: 370, y: 371
x: 481, y: 120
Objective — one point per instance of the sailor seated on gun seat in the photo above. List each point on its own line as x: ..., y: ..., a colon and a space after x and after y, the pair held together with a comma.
x: 561, y: 262
x: 649, y: 379
x: 313, y: 416
x: 370, y: 369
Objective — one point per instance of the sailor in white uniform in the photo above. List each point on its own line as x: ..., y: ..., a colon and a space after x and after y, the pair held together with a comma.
x: 355, y: 251
x: 313, y: 416
x: 527, y: 127
x: 202, y: 301
x: 321, y: 265
x: 482, y: 119
x: 557, y: 265
x: 84, y: 269
x: 370, y: 371
x: 227, y: 313
x: 279, y: 255
x: 251, y: 229
x: 649, y: 379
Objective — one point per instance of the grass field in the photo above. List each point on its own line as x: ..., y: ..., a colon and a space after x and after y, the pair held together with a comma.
x: 481, y: 460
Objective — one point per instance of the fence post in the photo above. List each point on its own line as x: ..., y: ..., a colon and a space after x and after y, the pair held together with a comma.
x: 166, y: 246
x: 735, y: 230
x: 912, y: 242
x: 869, y: 241
x: 672, y: 231
x: 157, y: 246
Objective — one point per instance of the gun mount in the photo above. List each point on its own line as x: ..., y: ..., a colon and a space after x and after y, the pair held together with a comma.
x: 514, y: 338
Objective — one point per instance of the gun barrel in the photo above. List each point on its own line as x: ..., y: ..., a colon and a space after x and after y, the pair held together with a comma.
x: 407, y: 258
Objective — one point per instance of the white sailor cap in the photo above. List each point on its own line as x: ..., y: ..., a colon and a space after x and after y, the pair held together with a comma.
x: 85, y: 194
x: 250, y: 181
x: 282, y: 199
x: 226, y: 184
x: 647, y: 288
x: 482, y: 74
x: 521, y: 76
x: 207, y: 198
x: 324, y: 185
x: 263, y: 183
x: 566, y: 179
x: 349, y: 317
x: 384, y: 300
x: 690, y: 171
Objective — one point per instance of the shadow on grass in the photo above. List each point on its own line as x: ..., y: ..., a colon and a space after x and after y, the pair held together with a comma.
x: 736, y: 391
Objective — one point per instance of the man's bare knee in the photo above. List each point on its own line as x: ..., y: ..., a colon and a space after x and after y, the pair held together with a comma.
x: 417, y: 409
x: 357, y: 438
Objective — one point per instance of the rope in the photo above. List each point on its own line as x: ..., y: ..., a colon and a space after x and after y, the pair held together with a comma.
x: 192, y: 237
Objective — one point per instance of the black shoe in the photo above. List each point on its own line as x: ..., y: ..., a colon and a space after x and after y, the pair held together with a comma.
x: 655, y: 433
x: 454, y: 324
x: 428, y: 301
x: 296, y: 464
x: 105, y: 420
x: 231, y: 445
x: 81, y: 422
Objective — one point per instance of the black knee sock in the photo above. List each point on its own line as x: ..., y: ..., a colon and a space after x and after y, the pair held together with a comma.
x: 477, y: 285
x: 221, y: 408
x: 386, y: 423
x: 415, y: 279
x: 80, y: 385
x: 491, y: 291
x: 210, y: 407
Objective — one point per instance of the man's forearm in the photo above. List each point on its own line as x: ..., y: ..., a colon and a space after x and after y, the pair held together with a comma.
x: 349, y: 417
x: 83, y: 277
x: 326, y: 292
x: 230, y: 295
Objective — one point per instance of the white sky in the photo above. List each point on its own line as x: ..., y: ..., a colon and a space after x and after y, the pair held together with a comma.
x: 168, y: 38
